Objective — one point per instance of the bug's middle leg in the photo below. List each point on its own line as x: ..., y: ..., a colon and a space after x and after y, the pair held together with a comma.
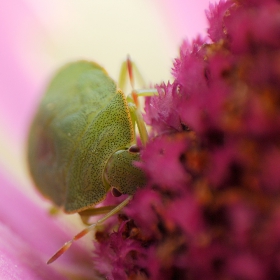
x: 86, y: 214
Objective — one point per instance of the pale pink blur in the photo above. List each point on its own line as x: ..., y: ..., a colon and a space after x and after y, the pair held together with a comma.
x: 186, y: 18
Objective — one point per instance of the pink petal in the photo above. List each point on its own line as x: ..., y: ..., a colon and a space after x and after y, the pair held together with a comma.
x: 28, y: 233
x: 17, y: 85
x: 20, y: 261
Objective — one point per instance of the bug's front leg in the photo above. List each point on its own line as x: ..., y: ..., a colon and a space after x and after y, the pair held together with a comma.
x: 67, y: 245
x: 137, y: 118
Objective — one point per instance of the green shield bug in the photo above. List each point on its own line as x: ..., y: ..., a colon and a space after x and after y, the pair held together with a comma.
x: 79, y: 144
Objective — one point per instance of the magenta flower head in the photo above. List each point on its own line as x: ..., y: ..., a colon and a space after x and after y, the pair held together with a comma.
x: 210, y: 209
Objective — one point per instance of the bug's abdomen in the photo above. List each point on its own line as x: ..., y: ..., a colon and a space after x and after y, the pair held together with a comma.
x: 81, y: 121
x: 75, y: 96
x: 43, y: 164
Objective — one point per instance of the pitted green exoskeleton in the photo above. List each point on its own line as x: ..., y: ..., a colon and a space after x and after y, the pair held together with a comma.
x: 80, y: 141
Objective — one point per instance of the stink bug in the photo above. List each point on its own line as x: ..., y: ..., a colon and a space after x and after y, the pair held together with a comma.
x: 80, y: 141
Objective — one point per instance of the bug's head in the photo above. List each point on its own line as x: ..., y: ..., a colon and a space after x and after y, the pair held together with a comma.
x: 121, y: 172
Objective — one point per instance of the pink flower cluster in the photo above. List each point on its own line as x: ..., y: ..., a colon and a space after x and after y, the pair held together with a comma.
x: 211, y: 207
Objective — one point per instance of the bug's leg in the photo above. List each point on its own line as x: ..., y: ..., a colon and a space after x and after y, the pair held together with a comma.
x: 53, y: 211
x: 138, y: 119
x: 67, y: 245
x: 130, y: 68
x: 135, y: 112
x: 86, y: 214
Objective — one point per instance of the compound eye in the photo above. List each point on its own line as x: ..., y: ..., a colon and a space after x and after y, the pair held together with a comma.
x: 116, y: 192
x: 134, y: 149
